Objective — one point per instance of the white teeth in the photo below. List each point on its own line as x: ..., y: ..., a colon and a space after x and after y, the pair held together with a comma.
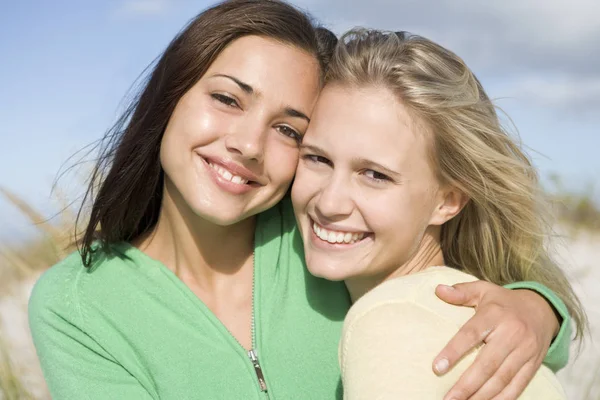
x: 323, y: 235
x: 332, y: 238
x: 228, y: 176
x: 336, y: 237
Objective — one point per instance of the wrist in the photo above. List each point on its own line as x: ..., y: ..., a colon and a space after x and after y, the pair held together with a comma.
x: 549, y: 313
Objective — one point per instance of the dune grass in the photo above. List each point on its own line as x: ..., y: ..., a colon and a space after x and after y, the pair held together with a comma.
x: 23, y: 262
x: 54, y: 241
x: 11, y: 387
x: 575, y: 209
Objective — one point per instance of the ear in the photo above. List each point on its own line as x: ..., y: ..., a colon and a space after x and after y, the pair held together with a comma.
x: 451, y: 202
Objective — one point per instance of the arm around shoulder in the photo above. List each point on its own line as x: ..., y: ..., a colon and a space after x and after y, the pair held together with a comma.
x: 74, y: 364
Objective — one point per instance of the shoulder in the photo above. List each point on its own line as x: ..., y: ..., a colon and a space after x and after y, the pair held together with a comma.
x: 402, y: 318
x: 60, y: 290
x: 54, y: 290
x: 415, y: 291
x: 398, y: 329
x: 395, y: 330
x: 406, y: 308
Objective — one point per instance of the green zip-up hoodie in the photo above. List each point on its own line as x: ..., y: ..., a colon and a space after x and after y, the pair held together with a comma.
x: 130, y: 329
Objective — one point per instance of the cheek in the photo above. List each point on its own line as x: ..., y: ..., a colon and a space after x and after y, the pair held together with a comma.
x: 190, y: 127
x: 396, y: 215
x: 398, y: 228
x: 280, y: 163
x: 303, y: 188
x: 194, y: 123
x: 171, y: 158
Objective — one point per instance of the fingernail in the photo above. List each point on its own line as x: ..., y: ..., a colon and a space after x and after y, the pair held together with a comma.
x: 448, y: 287
x: 442, y: 366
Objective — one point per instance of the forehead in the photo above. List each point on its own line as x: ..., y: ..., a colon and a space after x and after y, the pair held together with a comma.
x: 267, y: 64
x: 369, y: 121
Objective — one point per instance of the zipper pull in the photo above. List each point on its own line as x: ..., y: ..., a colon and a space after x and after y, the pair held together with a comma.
x: 259, y: 374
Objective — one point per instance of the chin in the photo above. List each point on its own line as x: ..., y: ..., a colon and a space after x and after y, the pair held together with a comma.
x: 327, y: 271
x: 225, y: 219
x: 220, y: 216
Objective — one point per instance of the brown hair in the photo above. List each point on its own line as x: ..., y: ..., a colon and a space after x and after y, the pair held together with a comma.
x: 500, y: 234
x: 128, y: 175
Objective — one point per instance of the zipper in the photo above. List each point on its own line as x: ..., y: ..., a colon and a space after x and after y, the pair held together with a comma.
x: 252, y: 354
x: 259, y: 374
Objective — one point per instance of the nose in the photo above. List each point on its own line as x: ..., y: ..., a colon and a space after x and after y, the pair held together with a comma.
x: 335, y: 201
x: 248, y: 140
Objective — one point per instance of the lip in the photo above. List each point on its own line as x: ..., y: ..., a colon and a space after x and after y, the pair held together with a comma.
x: 335, y: 227
x: 325, y: 245
x: 234, y: 168
x: 225, y: 185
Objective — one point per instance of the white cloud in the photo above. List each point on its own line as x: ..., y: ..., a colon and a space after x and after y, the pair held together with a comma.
x: 129, y: 8
x: 512, y: 40
x: 581, y: 95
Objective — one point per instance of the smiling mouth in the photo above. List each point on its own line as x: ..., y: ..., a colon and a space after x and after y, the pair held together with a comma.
x: 229, y: 176
x: 338, y: 237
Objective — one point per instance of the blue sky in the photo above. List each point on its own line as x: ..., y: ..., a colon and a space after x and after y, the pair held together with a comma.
x: 68, y: 65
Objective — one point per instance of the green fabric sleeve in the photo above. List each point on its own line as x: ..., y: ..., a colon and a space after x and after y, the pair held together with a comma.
x: 558, y: 353
x: 75, y: 365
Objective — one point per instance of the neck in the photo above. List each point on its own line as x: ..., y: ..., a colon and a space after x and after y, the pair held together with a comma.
x: 428, y: 254
x: 194, y: 248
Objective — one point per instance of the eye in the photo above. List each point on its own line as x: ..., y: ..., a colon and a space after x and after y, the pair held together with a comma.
x: 376, y: 176
x: 316, y: 159
x: 290, y: 132
x: 227, y: 100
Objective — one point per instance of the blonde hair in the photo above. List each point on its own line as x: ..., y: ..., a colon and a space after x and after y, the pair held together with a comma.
x: 500, y: 234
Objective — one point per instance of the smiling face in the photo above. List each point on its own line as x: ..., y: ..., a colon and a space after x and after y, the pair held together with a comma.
x: 230, y: 148
x: 365, y: 192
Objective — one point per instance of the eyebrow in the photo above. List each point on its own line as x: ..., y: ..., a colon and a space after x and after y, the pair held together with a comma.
x: 296, y: 114
x: 244, y: 86
x: 312, y: 148
x: 364, y: 161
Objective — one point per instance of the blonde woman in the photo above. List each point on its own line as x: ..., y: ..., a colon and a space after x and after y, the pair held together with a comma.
x: 407, y: 180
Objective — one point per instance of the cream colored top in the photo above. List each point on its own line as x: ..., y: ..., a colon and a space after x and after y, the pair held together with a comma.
x: 393, y: 333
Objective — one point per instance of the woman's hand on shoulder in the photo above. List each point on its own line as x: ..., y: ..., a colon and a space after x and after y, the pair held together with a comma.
x: 517, y: 327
